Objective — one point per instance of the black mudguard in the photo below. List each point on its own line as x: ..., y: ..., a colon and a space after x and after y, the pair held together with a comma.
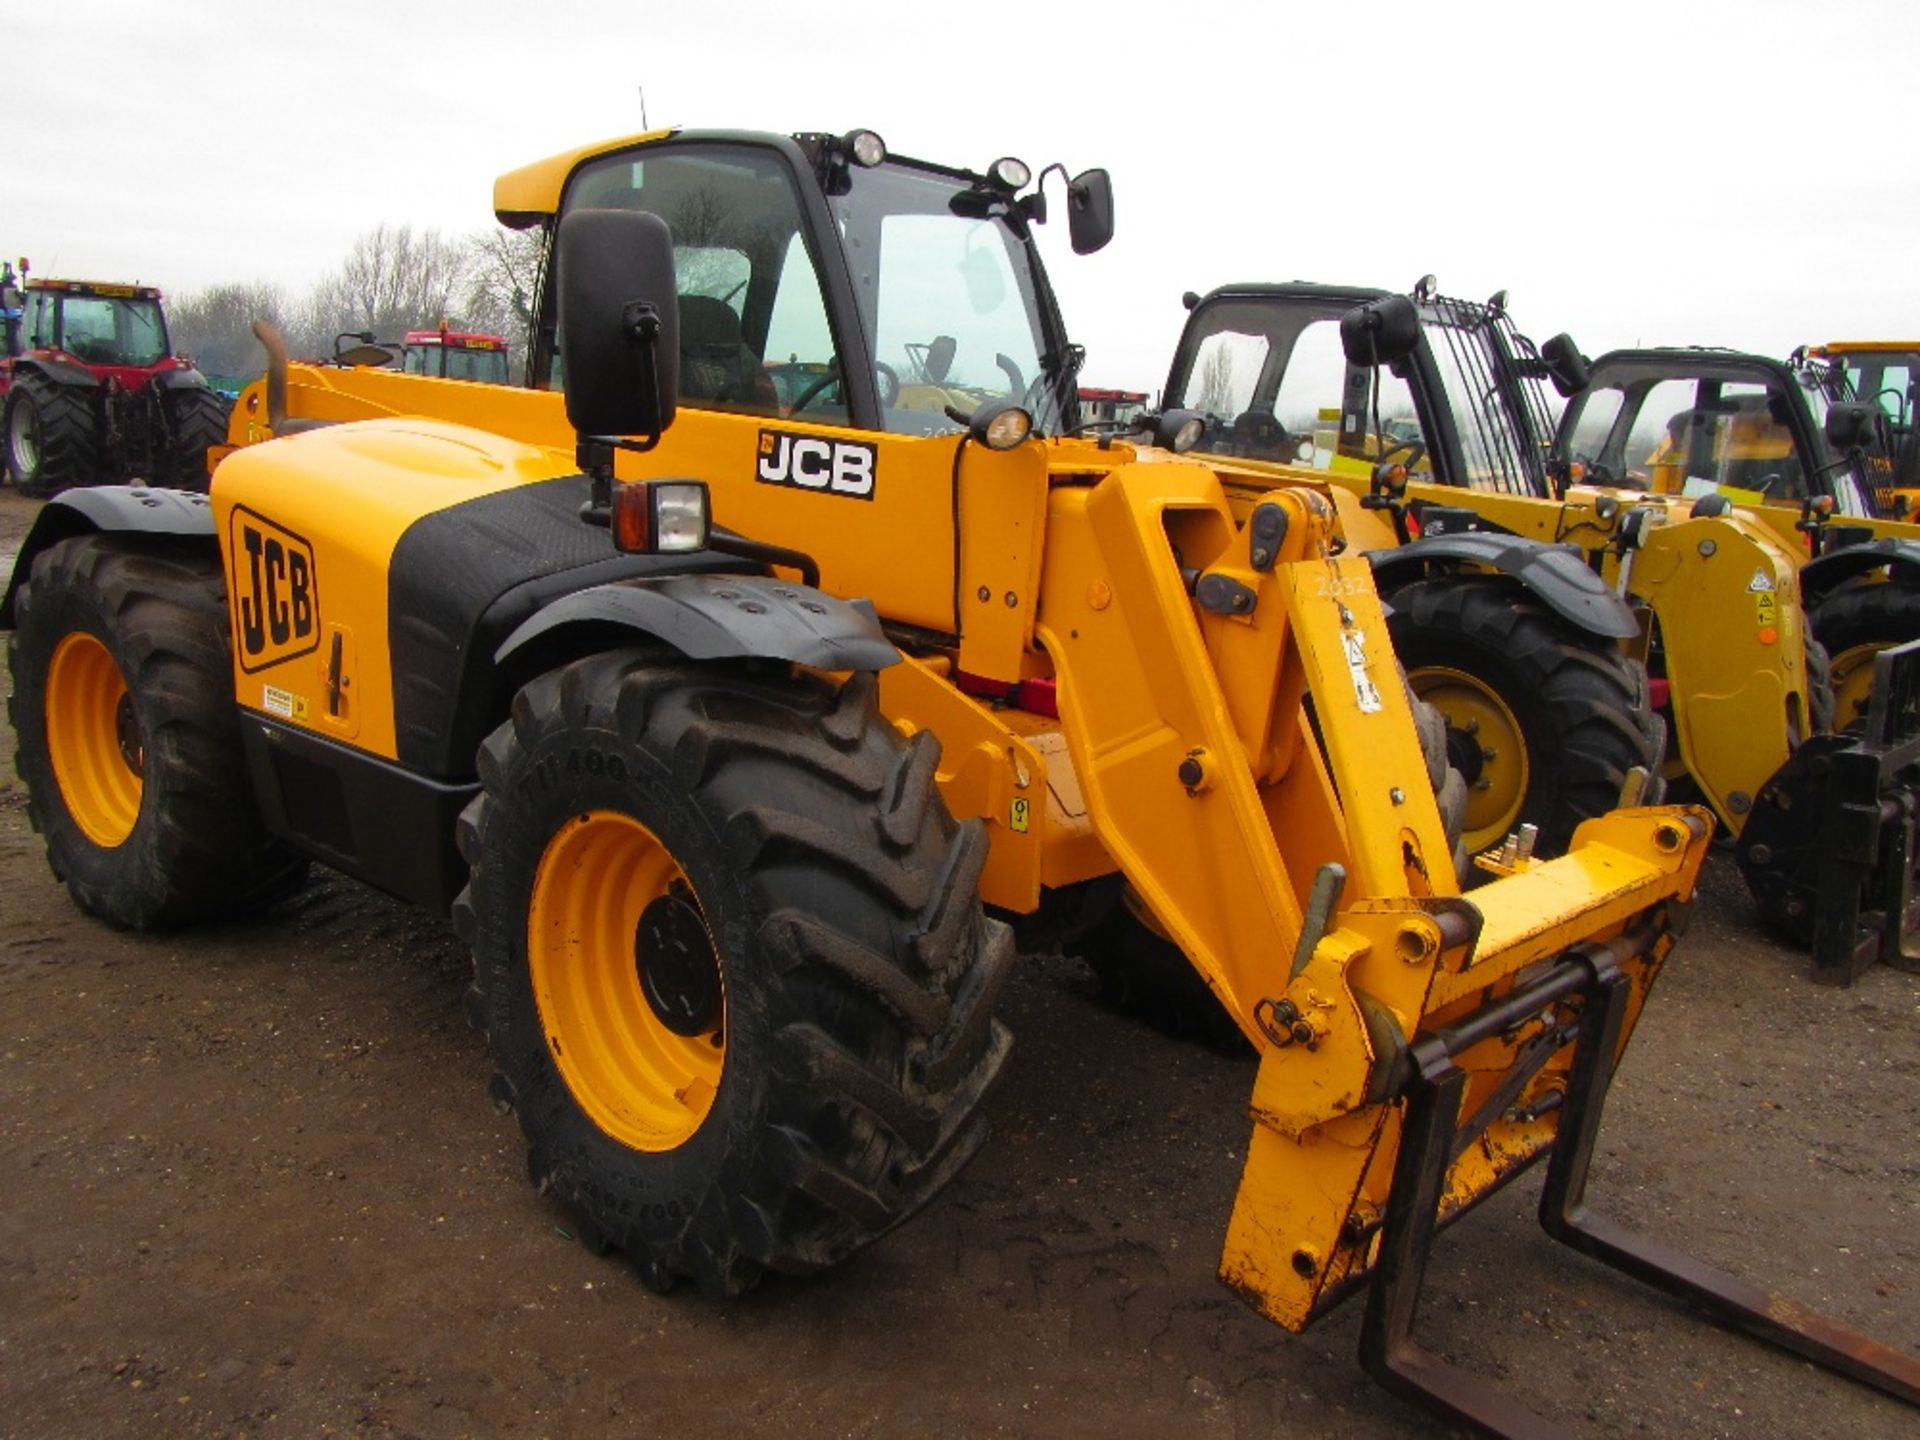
x: 184, y: 379
x: 109, y: 509
x: 57, y: 369
x: 1556, y: 574
x: 719, y: 617
x: 1820, y: 578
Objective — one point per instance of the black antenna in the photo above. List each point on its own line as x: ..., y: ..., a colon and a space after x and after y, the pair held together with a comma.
x: 643, y: 107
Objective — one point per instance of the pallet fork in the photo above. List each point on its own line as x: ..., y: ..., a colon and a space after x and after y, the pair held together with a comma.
x: 1431, y: 1138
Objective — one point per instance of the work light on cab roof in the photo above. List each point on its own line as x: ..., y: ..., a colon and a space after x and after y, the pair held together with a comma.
x: 866, y: 147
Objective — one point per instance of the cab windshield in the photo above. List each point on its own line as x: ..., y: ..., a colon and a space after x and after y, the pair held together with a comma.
x: 946, y: 291
x: 105, y: 330
x: 456, y: 362
x: 947, y: 296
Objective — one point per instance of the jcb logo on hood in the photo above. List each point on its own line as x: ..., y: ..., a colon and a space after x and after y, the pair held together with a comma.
x: 839, y: 467
x: 276, y: 605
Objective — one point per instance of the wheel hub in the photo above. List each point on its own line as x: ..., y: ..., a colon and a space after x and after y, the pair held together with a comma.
x: 679, y: 972
x: 25, y: 442
x: 126, y: 730
x: 1464, y: 755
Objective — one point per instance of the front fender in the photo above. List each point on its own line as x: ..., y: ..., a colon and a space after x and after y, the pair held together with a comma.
x: 1556, y: 574
x: 1820, y: 578
x: 108, y: 509
x: 720, y: 617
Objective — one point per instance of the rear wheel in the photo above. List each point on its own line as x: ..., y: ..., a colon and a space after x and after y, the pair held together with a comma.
x: 730, y: 961
x: 195, y: 419
x: 1856, y: 623
x: 53, y: 443
x: 1543, y: 721
x: 129, y: 740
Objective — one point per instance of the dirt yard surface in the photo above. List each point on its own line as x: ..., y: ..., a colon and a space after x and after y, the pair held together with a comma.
x: 250, y: 1185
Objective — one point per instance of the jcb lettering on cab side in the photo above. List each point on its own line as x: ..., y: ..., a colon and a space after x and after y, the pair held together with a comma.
x: 812, y: 462
x: 276, y: 601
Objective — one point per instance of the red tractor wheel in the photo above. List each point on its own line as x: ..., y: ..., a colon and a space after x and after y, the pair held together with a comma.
x: 51, y: 439
x: 194, y: 419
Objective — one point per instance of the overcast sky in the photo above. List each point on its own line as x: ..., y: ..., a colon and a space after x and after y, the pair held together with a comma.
x: 1740, y: 174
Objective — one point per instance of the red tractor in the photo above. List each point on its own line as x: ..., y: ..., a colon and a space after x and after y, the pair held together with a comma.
x: 91, y: 392
x: 456, y: 355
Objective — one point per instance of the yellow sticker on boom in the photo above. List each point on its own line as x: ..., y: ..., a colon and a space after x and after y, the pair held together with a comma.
x: 1765, y: 612
x: 1017, y: 814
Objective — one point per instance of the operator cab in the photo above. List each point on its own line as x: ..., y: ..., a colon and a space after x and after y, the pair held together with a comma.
x: 822, y: 279
x: 96, y: 323
x: 455, y: 355
x: 1699, y: 423
x: 1267, y: 367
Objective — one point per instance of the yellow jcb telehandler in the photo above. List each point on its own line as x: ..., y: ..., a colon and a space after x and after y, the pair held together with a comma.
x: 731, y: 732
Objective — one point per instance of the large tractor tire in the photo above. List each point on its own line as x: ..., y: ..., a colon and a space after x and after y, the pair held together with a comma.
x: 1543, y: 720
x: 52, y: 437
x: 730, y: 961
x: 1142, y: 974
x: 1855, y: 623
x: 195, y: 419
x: 129, y: 739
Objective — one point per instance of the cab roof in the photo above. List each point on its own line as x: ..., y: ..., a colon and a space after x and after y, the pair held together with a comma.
x: 111, y: 288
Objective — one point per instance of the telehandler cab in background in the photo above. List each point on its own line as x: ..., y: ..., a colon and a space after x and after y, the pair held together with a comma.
x: 1468, y: 515
x: 1884, y: 374
x: 1788, y: 443
x: 740, y: 709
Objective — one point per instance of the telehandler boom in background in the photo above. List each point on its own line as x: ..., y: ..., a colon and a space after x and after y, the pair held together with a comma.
x: 751, y: 715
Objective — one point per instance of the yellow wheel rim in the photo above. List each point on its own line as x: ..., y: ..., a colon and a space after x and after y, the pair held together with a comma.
x: 1852, y: 683
x: 1498, y: 786
x: 94, y: 740
x: 638, y: 1078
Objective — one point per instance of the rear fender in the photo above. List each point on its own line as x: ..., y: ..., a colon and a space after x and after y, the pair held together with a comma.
x: 109, y: 510
x: 1556, y: 574
x: 709, y: 617
x: 180, y: 379
x: 1820, y: 578
x: 57, y: 369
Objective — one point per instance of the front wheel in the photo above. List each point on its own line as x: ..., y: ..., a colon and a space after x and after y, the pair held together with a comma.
x: 1144, y: 975
x: 730, y: 961
x: 1543, y: 720
x: 1855, y: 623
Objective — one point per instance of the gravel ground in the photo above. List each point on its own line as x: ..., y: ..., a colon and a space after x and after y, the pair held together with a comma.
x: 250, y: 1186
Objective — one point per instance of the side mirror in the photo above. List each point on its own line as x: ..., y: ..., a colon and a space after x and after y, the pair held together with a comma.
x: 1566, y: 366
x: 939, y: 360
x: 619, y: 322
x: 1381, y: 332
x: 1849, y: 425
x: 1090, y: 211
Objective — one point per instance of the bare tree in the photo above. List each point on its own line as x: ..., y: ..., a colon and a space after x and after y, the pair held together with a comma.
x: 503, y: 278
x: 394, y: 279
x: 215, y: 326
x: 1216, y: 383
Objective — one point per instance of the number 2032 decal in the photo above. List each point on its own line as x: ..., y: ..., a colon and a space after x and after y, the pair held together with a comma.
x: 813, y: 462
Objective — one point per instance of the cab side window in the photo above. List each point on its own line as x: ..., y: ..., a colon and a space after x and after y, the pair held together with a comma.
x: 754, y: 334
